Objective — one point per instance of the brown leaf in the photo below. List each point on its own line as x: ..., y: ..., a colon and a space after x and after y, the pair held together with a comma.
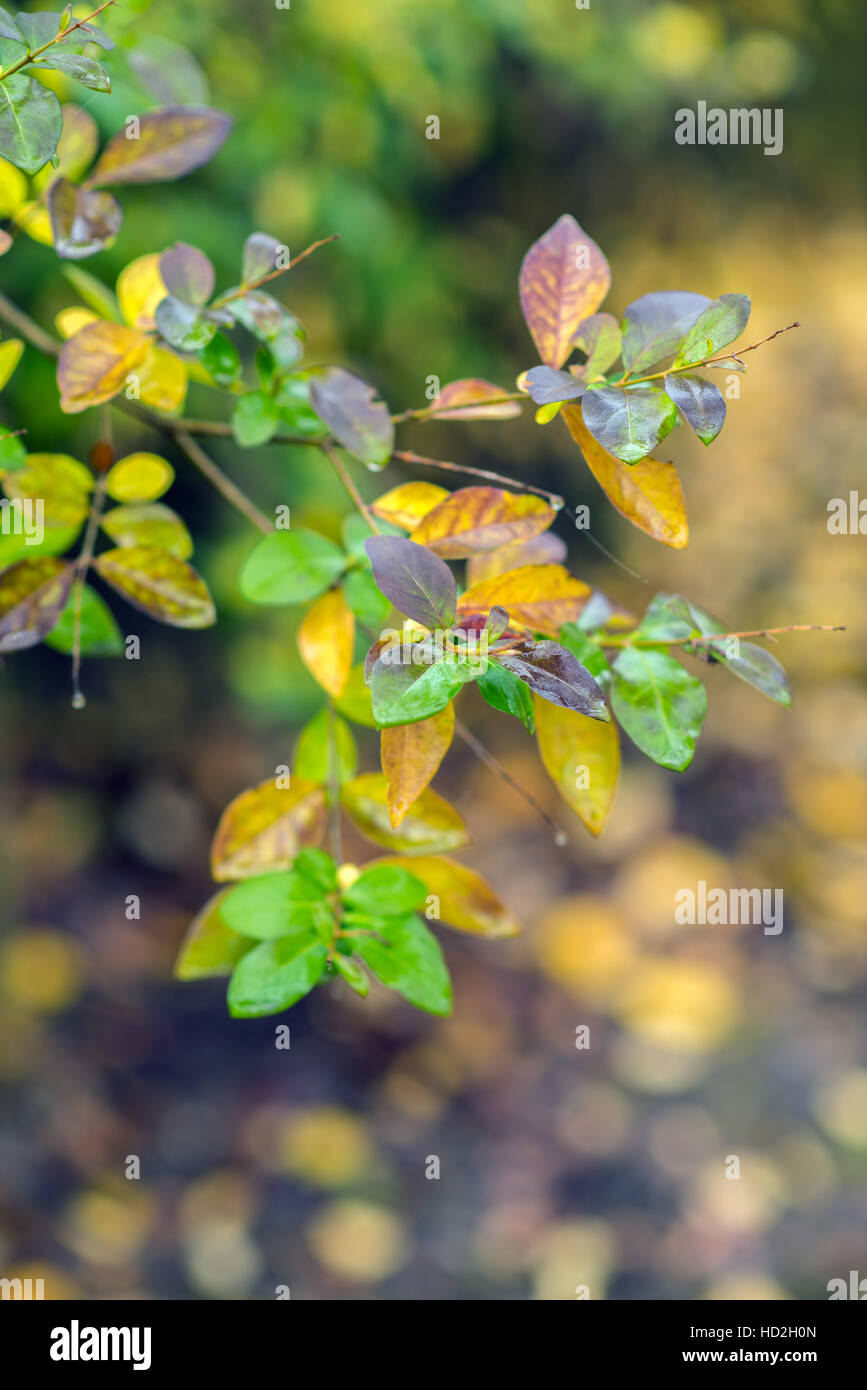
x: 411, y: 754
x: 82, y: 220
x: 264, y: 828
x: 542, y: 597
x: 407, y: 504
x: 582, y: 756
x: 169, y: 143
x: 95, y: 362
x: 648, y: 493
x: 158, y: 583
x: 564, y: 278
x: 33, y: 595
x: 465, y: 900
x: 546, y: 549
x: 481, y: 518
x: 465, y: 400
x: 431, y: 826
x: 325, y: 640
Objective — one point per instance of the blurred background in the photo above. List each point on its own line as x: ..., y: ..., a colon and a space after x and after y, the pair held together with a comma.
x: 306, y: 1168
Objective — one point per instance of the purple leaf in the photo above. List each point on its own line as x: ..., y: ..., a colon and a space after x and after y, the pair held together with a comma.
x: 547, y: 386
x: 355, y: 417
x: 555, y: 675
x: 187, y: 272
x: 419, y: 584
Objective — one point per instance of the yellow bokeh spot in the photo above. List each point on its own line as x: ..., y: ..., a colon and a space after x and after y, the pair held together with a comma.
x: 108, y: 1225
x: 326, y: 1146
x: 582, y: 945
x: 358, y: 1241
x: 680, y: 1004
x: 41, y: 970
x: 139, y: 478
x: 675, y: 40
x: 841, y: 1108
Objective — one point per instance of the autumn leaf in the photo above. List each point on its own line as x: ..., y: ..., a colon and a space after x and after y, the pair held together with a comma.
x: 166, y: 144
x: 411, y: 755
x: 61, y: 482
x: 582, y: 757
x: 430, y: 826
x: 564, y: 278
x: 544, y: 549
x: 158, y: 583
x: 408, y: 504
x: 94, y: 364
x: 210, y: 947
x: 464, y: 900
x: 469, y: 399
x: 541, y: 597
x: 481, y: 518
x: 325, y: 641
x: 140, y: 288
x: 83, y: 220
x: 418, y: 582
x: 555, y: 674
x: 33, y: 594
x: 140, y: 477
x: 149, y: 524
x: 358, y: 421
x: 161, y: 380
x: 648, y: 493
x: 265, y: 827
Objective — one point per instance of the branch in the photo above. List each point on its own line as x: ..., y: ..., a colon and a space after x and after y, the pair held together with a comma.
x: 704, y: 639
x: 707, y: 361
x: 273, y: 274
x: 481, y: 752
x: 224, y: 485
x: 58, y: 38
x: 407, y: 456
x: 341, y: 471
x: 431, y: 411
x: 82, y: 565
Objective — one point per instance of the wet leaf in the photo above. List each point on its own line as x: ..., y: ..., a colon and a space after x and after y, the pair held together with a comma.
x: 659, y: 704
x: 582, y: 758
x: 408, y: 504
x: 87, y: 71
x: 33, y: 594
x: 384, y: 890
x: 540, y: 597
x: 350, y: 409
x: 654, y: 326
x: 326, y: 639
x: 159, y: 584
x: 210, y: 947
x: 275, y: 975
x: 648, y: 494
x: 82, y: 221
x: 564, y: 278
x: 465, y: 900
x: 265, y: 827
x: 628, y: 423
x: 418, y: 582
x: 149, y: 524
x: 506, y: 692
x: 554, y: 674
x: 165, y: 145
x: 466, y: 400
x: 278, y: 904
x: 30, y: 122
x: 410, y: 961
x: 481, y: 518
x: 431, y: 826
x: 94, y: 364
x: 183, y: 325
x: 411, y: 755
x: 260, y: 257
x: 290, y: 567
x: 404, y: 692
x: 716, y: 326
x: 700, y: 402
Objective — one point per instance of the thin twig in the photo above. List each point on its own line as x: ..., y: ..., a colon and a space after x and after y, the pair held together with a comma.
x: 707, y: 362
x: 432, y: 411
x: 82, y: 565
x: 58, y: 38
x: 25, y: 325
x: 341, y: 471
x: 232, y: 493
x: 407, y: 456
x: 273, y: 274
x: 704, y: 639
x: 481, y: 752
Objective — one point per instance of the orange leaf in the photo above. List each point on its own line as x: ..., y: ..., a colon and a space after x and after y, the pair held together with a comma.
x: 648, y: 493
x: 466, y: 400
x: 481, y: 518
x: 582, y: 756
x: 264, y: 828
x: 564, y: 279
x: 325, y: 641
x: 95, y: 362
x: 542, y: 597
x: 411, y: 754
x: 546, y: 549
x: 464, y: 899
x: 407, y: 504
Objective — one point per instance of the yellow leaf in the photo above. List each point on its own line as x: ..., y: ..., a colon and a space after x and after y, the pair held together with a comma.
x: 264, y: 828
x: 139, y: 478
x: 33, y: 594
x: 210, y: 947
x: 161, y: 379
x: 468, y: 400
x: 62, y: 483
x: 94, y: 364
x: 13, y: 188
x: 541, y: 597
x: 431, y: 826
x: 481, y: 518
x: 32, y: 218
x: 325, y: 641
x: 156, y: 581
x: 140, y: 287
x: 582, y: 756
x: 407, y: 504
x: 546, y: 549
x: 564, y: 279
x: 411, y: 754
x: 10, y: 356
x: 464, y: 899
x: 648, y: 493
x: 70, y: 320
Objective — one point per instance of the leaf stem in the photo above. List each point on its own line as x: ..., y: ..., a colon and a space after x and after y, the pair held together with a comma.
x: 82, y: 565
x: 707, y: 361
x: 340, y: 469
x: 58, y: 38
x: 481, y: 752
x: 431, y: 411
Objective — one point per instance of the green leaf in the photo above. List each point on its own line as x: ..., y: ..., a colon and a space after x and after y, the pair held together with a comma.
x: 183, y: 325
x: 716, y: 326
x: 654, y: 326
x: 404, y: 693
x: 628, y: 423
x: 354, y: 974
x: 255, y: 419
x: 507, y: 693
x: 221, y: 359
x: 659, y: 704
x: 312, y: 750
x: 100, y: 634
x: 368, y: 603
x: 318, y: 867
x: 745, y: 660
x: 30, y: 122
x: 84, y: 70
x: 600, y: 338
x: 700, y: 402
x: 275, y: 975
x: 588, y: 652
x: 277, y: 904
x: 290, y: 567
x: 409, y: 960
x: 385, y: 890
